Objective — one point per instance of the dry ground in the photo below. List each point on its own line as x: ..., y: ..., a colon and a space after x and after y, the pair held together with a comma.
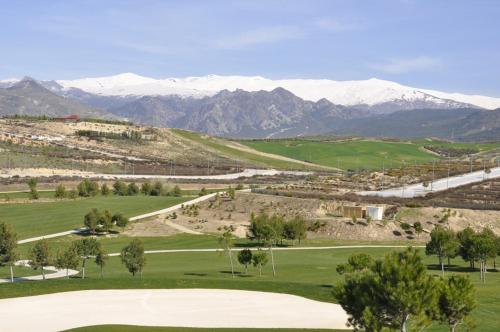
x: 216, y: 215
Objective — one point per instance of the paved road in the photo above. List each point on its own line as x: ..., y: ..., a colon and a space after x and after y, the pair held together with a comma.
x: 231, y: 176
x: 54, y: 273
x: 418, y: 189
x: 210, y: 308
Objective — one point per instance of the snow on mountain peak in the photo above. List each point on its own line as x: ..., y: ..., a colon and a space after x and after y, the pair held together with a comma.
x: 370, y: 92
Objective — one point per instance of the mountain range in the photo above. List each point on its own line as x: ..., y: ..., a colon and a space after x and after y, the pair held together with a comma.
x: 256, y: 107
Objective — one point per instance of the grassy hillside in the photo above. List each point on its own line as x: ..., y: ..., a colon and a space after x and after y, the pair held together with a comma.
x: 221, y: 147
x: 354, y: 154
x: 36, y: 219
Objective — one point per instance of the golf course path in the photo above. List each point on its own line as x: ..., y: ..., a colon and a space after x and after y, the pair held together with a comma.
x: 211, y: 308
x: 142, y: 216
x: 169, y: 251
x: 55, y: 273
x: 418, y: 189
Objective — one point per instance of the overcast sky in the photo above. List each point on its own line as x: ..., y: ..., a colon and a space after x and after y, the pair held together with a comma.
x: 449, y: 45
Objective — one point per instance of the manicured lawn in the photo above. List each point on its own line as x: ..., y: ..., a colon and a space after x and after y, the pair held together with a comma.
x: 190, y: 241
x: 19, y: 271
x: 36, y: 219
x: 480, y: 147
x: 356, y: 154
x: 304, y: 273
x: 129, y: 328
x: 251, y: 158
x: 25, y: 195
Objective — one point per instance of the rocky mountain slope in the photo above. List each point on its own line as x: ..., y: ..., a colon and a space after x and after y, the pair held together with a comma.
x: 27, y: 97
x: 367, y: 108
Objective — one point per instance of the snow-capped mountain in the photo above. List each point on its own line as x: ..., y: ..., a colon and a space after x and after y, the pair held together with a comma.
x: 348, y: 93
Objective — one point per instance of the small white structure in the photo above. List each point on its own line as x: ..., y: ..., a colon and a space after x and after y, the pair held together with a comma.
x: 375, y: 212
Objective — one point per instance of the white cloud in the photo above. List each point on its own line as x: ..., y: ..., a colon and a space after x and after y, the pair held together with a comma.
x: 335, y: 25
x: 400, y: 66
x: 263, y: 35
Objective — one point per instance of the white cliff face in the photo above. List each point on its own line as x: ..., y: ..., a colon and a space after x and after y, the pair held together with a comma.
x: 364, y: 92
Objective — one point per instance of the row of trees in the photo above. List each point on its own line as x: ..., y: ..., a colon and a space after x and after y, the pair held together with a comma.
x: 470, y: 245
x: 76, y: 254
x: 268, y: 231
x: 132, y: 134
x: 91, y: 188
x: 397, y: 293
x: 80, y: 251
x: 147, y: 188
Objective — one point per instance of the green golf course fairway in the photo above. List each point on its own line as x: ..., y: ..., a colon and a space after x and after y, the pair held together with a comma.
x: 37, y: 219
x: 347, y: 154
x: 307, y: 273
x: 354, y: 154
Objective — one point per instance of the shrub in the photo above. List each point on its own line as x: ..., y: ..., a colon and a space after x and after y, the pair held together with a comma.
x: 120, y: 188
x: 105, y: 191
x: 146, y: 188
x: 60, y: 191
x: 176, y: 192
x: 132, y: 189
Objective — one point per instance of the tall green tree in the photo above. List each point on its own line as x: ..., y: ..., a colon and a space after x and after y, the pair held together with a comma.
x: 466, y: 245
x: 32, y: 183
x: 483, y: 247
x: 443, y: 244
x: 295, y: 229
x: 259, y: 259
x: 456, y: 301
x: 40, y: 256
x: 245, y: 258
x: 91, y: 220
x: 226, y: 241
x: 101, y: 259
x: 133, y: 189
x: 132, y: 256
x: 87, y: 247
x: 105, y: 221
x: 60, y: 191
x: 146, y: 188
x: 87, y: 188
x: 120, y: 220
x: 394, y: 292
x: 120, y: 188
x: 67, y: 259
x: 268, y: 230
x: 105, y: 191
x: 8, y: 248
x: 356, y: 263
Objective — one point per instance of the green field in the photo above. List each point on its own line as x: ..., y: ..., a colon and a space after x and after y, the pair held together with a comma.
x: 358, y: 154
x: 306, y: 273
x: 25, y: 194
x: 253, y: 159
x: 36, y: 219
x: 345, y: 155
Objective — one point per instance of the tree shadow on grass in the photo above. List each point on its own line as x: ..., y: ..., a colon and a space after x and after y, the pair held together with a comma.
x: 325, y: 286
x: 451, y: 268
x: 194, y: 274
x: 229, y: 272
